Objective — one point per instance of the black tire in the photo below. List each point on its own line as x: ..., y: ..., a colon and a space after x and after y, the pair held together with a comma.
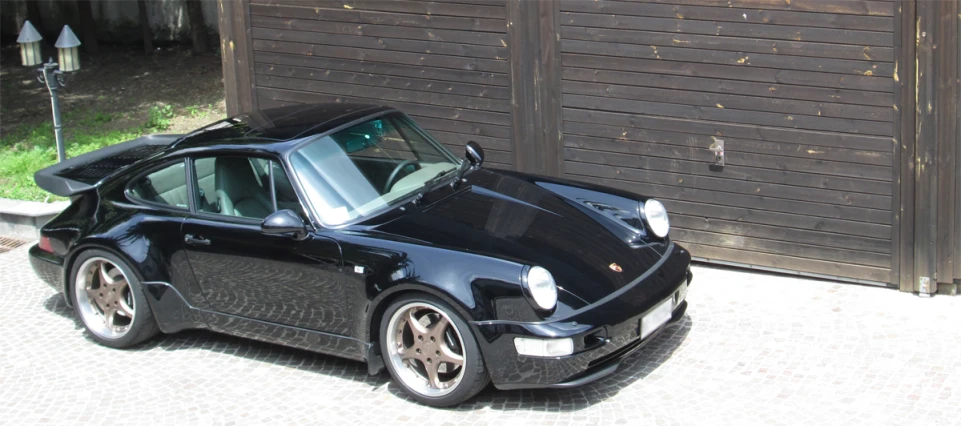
x: 142, y: 327
x: 475, y: 376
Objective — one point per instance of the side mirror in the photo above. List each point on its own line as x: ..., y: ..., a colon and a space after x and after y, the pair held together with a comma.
x: 475, y: 154
x: 284, y: 222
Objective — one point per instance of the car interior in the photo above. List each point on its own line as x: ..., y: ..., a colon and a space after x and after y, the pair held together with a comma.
x: 228, y: 185
x: 361, y: 169
x: 346, y: 175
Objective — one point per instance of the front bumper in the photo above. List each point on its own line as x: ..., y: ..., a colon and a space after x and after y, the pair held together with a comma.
x: 47, y: 266
x: 604, y: 333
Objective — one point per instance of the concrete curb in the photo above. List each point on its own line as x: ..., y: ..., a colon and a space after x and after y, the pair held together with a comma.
x: 23, y: 219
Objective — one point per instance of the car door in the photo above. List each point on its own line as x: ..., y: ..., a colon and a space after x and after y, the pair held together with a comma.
x: 164, y: 191
x: 247, y: 273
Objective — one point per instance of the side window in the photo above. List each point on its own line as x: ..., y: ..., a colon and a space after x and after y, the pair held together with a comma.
x: 240, y: 186
x: 166, y: 186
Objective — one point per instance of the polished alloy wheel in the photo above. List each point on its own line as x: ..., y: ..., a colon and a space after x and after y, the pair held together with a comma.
x: 104, y: 298
x: 425, y: 349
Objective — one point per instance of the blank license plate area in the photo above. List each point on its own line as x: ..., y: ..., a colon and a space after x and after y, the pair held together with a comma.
x: 656, y: 318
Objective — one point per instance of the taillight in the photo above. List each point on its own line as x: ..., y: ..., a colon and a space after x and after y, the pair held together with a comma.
x: 45, y: 244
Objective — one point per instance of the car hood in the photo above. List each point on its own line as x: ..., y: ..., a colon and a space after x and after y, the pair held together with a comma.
x: 583, y: 236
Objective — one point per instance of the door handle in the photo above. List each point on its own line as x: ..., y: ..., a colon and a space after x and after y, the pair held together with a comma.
x: 196, y: 240
x: 718, y: 149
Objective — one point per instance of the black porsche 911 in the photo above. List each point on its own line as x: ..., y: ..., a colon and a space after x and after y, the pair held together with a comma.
x: 348, y: 230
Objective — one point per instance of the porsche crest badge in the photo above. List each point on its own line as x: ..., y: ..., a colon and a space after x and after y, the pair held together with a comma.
x: 615, y: 267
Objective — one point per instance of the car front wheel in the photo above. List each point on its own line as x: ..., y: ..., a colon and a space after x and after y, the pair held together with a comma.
x: 431, y: 352
x: 109, y: 300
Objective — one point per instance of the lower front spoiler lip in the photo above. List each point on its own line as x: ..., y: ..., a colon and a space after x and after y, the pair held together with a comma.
x: 605, y: 369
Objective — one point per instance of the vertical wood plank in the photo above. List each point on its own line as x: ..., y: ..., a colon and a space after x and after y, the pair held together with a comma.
x: 536, y: 113
x: 926, y: 173
x: 902, y: 251
x: 946, y: 51
x: 237, y: 55
x: 957, y: 159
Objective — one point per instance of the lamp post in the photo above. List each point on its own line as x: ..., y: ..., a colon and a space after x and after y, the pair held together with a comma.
x: 52, y: 73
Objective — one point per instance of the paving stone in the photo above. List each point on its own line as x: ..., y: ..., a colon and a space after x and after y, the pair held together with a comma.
x: 754, y: 349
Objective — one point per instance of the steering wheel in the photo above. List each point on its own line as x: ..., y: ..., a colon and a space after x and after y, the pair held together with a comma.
x: 393, y: 174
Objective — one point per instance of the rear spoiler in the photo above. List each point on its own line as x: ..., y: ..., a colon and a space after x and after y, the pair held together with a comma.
x: 85, y: 172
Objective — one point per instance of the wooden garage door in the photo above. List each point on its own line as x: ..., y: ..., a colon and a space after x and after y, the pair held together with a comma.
x: 800, y: 91
x: 444, y: 63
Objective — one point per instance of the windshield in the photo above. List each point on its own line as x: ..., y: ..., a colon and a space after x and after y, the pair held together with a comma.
x: 365, y: 168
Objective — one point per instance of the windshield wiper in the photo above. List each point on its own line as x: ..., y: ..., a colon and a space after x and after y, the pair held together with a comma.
x: 431, y: 183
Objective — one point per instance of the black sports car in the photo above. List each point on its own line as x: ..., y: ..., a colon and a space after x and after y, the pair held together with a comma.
x: 348, y: 230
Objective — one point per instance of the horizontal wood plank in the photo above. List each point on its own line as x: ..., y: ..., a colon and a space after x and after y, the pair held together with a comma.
x: 728, y: 29
x: 723, y: 184
x: 721, y: 130
x: 730, y: 44
x: 695, y: 147
x: 852, y: 7
x: 730, y: 101
x: 710, y: 85
x: 374, y: 55
x: 463, y: 127
x: 750, y: 201
x: 461, y: 139
x: 587, y: 150
x: 385, y: 93
x: 431, y: 8
x: 367, y: 79
x: 615, y: 135
x: 730, y: 72
x: 751, y: 15
x: 783, y: 248
x: 822, y: 267
x: 382, y: 43
x: 720, y: 57
x: 384, y: 68
x: 787, y: 221
x: 373, y: 30
x: 805, y: 236
x: 410, y: 108
x: 340, y: 14
x: 840, y: 125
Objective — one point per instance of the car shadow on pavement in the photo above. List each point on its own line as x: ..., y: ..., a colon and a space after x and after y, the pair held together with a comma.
x: 205, y: 340
x: 634, y: 368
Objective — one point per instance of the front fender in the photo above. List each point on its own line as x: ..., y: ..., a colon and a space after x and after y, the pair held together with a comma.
x: 377, y: 270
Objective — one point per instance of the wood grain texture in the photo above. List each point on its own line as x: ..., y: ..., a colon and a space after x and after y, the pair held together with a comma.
x: 926, y: 139
x: 536, y: 86
x: 444, y: 63
x: 840, y: 7
x: 801, y: 93
x: 236, y: 56
x: 947, y: 83
x: 732, y: 12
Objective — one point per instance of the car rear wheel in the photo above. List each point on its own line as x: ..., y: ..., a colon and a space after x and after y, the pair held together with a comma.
x: 430, y: 351
x: 108, y: 298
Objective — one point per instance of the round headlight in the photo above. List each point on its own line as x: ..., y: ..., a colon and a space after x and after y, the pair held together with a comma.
x: 541, y: 285
x: 656, y: 216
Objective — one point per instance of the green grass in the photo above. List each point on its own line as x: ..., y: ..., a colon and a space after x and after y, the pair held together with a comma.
x: 28, y: 149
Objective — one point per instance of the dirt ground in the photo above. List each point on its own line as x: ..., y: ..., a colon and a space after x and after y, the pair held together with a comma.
x: 120, y: 82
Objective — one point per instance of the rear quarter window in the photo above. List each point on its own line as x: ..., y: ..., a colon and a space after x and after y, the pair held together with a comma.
x: 166, y: 186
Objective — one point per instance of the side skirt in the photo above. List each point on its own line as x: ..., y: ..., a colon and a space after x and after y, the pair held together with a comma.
x: 173, y: 313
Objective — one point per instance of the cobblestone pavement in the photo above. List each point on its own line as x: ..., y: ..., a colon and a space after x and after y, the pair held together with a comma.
x: 754, y: 349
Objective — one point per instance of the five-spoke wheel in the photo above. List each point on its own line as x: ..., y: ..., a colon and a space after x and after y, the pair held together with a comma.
x: 430, y: 352
x: 109, y: 301
x: 106, y: 303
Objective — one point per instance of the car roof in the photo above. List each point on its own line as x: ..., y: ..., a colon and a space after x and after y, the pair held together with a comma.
x: 274, y: 129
